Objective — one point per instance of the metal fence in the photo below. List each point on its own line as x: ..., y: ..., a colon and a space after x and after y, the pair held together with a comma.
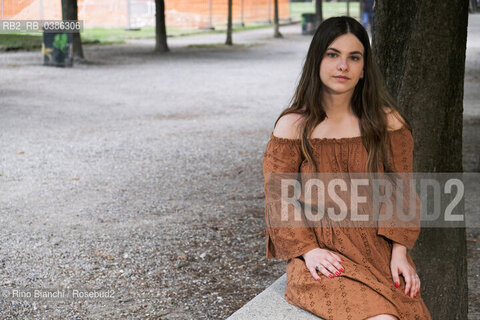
x: 141, y: 13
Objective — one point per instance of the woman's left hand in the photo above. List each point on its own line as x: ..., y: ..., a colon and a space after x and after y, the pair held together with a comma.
x: 400, y: 265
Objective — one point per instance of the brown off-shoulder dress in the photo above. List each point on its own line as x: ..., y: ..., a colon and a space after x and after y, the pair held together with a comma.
x: 366, y: 288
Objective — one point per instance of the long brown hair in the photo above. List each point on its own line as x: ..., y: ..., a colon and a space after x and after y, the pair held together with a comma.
x: 369, y: 96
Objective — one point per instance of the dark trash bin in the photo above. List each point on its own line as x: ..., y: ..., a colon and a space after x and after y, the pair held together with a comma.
x: 57, y: 49
x: 308, y: 23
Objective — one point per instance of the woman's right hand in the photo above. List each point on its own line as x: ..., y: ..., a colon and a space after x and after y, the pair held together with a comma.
x: 327, y: 263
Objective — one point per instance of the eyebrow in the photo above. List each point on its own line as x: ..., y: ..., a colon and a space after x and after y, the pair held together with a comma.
x: 353, y: 52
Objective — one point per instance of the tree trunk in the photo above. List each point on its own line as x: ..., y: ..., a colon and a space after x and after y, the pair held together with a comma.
x: 276, y: 22
x: 70, y: 12
x: 229, y: 24
x: 160, y: 29
x: 420, y: 46
x: 362, y: 9
x: 318, y: 12
x: 348, y: 8
x: 473, y: 6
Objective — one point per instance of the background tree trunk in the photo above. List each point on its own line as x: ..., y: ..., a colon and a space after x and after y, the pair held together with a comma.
x: 229, y: 41
x: 420, y: 46
x: 348, y: 8
x: 362, y: 9
x: 318, y: 12
x: 473, y: 6
x: 160, y: 29
x: 276, y: 22
x: 70, y: 12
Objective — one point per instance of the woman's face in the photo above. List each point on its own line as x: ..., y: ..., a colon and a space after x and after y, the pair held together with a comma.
x: 342, y: 64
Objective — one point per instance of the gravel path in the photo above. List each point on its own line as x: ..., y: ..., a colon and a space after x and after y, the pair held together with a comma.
x: 141, y: 174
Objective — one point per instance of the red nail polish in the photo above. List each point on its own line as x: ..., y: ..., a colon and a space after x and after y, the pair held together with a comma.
x: 396, y: 284
x: 319, y: 279
x: 415, y: 295
x: 330, y: 276
x: 341, y: 269
x: 337, y: 273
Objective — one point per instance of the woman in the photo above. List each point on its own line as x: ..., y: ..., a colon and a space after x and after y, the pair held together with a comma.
x: 342, y: 120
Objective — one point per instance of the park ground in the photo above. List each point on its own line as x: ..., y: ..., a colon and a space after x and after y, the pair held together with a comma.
x: 141, y: 173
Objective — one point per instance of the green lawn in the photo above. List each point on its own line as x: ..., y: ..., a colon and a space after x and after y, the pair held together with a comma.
x: 116, y: 35
x: 119, y: 35
x: 109, y: 35
x: 330, y: 9
x: 20, y: 41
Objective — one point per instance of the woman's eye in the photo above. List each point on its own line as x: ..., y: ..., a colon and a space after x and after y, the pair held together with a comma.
x: 331, y: 55
x: 354, y: 58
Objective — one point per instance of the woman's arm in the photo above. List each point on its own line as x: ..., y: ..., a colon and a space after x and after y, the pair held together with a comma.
x: 317, y: 260
x: 397, y: 229
x: 402, y: 234
x: 282, y: 160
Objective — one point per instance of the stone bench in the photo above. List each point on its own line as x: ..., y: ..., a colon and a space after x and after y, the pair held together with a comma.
x: 271, y: 305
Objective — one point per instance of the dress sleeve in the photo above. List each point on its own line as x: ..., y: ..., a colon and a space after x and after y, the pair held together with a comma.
x: 403, y: 231
x: 283, y: 158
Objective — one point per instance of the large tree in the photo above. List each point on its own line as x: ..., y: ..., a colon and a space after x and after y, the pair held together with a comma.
x: 420, y: 46
x: 70, y: 12
x: 276, y: 22
x: 160, y: 29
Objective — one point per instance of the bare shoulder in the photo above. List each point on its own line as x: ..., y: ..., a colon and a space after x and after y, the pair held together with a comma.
x: 287, y: 126
x: 394, y: 119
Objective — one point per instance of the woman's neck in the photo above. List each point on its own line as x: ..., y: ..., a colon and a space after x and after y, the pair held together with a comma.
x: 337, y: 106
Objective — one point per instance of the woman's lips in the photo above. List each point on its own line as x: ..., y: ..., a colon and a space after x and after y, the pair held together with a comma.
x: 341, y: 78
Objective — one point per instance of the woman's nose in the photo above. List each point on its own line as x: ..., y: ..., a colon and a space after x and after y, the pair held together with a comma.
x: 342, y: 64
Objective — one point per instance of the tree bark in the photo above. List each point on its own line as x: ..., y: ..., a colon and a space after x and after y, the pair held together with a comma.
x: 160, y: 28
x: 276, y: 22
x: 348, y: 8
x: 318, y: 12
x: 420, y: 46
x: 70, y: 12
x: 229, y: 41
